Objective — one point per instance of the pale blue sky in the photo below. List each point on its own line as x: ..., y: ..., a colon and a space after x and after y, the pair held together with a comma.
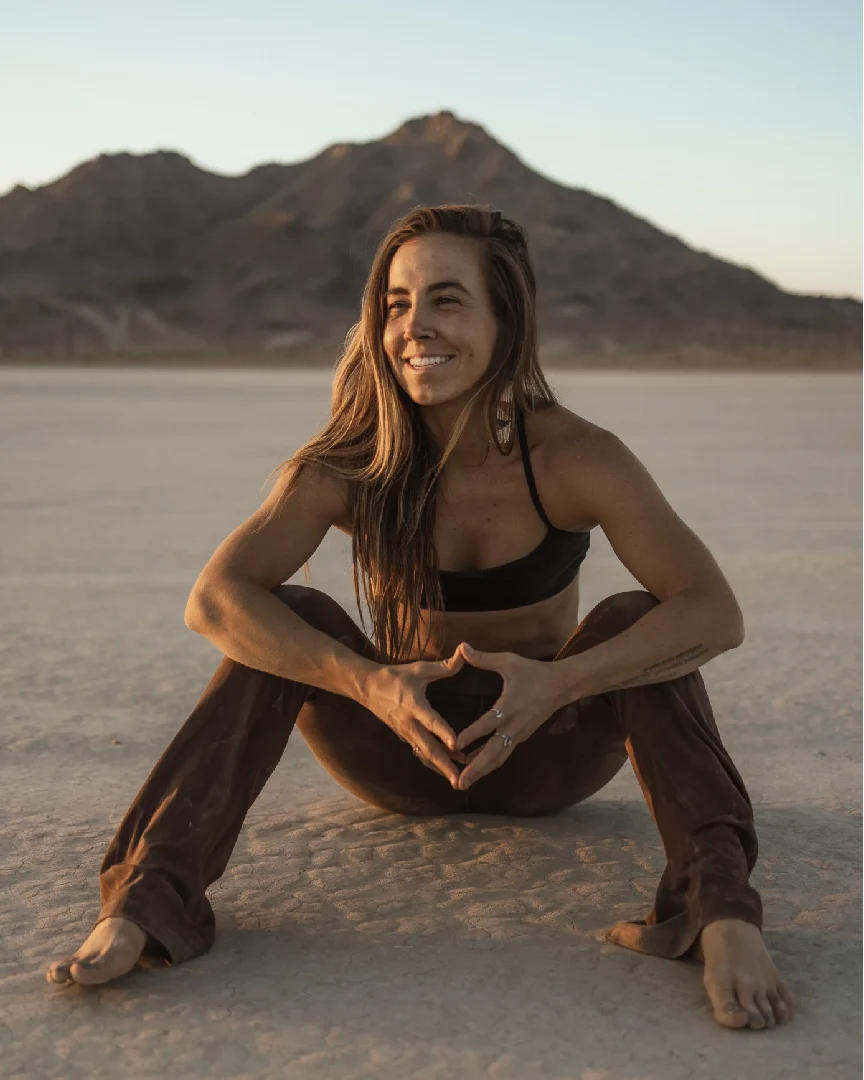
x: 734, y: 125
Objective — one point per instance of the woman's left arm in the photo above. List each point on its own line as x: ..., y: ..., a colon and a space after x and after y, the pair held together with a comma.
x: 698, y: 616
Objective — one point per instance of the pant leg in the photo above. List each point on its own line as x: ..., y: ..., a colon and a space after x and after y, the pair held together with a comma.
x: 693, y: 790
x: 180, y: 830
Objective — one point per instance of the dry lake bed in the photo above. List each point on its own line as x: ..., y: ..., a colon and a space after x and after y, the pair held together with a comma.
x: 353, y: 943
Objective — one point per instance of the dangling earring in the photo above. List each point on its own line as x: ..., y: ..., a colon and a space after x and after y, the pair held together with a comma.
x: 504, y: 414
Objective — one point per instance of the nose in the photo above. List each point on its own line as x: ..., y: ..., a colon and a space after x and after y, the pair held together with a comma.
x: 416, y: 324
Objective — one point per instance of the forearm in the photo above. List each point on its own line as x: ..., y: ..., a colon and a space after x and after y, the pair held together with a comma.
x: 673, y: 639
x: 249, y: 624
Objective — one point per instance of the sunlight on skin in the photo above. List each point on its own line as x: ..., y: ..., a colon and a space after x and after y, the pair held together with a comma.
x: 457, y: 322
x: 113, y: 948
x: 740, y: 978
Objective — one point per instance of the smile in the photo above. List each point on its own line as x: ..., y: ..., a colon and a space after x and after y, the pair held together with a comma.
x: 420, y: 363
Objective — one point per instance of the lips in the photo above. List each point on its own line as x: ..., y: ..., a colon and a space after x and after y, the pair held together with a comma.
x: 424, y: 363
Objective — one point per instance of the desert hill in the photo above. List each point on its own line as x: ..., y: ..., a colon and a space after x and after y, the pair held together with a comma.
x: 148, y: 258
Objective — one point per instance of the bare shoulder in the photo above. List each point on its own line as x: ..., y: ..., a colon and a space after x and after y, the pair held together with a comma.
x: 556, y: 434
x: 313, y: 489
x: 572, y: 457
x: 590, y: 477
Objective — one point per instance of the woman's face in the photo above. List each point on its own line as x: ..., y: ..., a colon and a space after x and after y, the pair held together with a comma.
x: 427, y: 319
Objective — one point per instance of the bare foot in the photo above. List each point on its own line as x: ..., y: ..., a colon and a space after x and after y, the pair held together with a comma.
x: 111, y: 950
x: 742, y: 983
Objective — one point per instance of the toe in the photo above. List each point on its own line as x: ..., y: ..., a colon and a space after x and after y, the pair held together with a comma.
x: 91, y: 972
x: 728, y: 1011
x: 755, y: 1019
x: 785, y: 992
x: 59, y: 972
x: 731, y: 1015
x: 781, y: 1010
x: 764, y: 1007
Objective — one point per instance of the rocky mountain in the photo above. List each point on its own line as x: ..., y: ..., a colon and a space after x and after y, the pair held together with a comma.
x: 149, y: 258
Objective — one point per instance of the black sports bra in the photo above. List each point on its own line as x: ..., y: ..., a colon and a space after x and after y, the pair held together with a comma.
x: 542, y: 573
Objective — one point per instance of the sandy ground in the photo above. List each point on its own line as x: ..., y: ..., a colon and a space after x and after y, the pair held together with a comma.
x: 353, y: 943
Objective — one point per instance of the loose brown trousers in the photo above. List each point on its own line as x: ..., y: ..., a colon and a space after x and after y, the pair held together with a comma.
x: 178, y: 834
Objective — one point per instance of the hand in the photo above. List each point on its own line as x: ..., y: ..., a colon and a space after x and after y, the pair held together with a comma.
x: 530, y: 695
x: 396, y: 694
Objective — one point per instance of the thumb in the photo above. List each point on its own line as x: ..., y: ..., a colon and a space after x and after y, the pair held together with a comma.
x: 454, y: 663
x: 442, y: 669
x: 476, y: 658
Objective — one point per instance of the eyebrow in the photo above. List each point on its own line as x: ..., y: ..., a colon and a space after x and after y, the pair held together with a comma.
x: 399, y: 291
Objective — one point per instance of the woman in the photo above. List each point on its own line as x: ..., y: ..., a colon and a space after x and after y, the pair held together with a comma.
x: 469, y: 494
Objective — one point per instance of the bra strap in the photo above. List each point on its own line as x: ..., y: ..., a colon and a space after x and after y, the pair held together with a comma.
x: 529, y: 472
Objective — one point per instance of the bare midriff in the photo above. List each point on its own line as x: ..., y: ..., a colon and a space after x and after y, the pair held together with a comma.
x: 537, y: 630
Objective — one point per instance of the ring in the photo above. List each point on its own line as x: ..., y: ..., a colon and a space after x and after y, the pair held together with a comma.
x: 416, y: 751
x: 498, y: 714
x: 507, y: 738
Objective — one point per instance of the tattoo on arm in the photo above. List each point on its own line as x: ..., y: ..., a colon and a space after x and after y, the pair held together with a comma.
x: 663, y: 670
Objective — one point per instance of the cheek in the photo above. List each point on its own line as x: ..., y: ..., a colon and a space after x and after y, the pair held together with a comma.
x: 388, y: 340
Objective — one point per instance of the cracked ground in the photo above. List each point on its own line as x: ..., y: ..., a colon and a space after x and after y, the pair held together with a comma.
x: 352, y: 943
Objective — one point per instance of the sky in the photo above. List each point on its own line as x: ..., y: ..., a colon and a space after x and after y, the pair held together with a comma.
x: 735, y: 126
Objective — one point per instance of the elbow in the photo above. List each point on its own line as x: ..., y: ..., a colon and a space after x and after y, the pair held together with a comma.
x: 191, y: 615
x: 734, y: 635
x: 199, y: 612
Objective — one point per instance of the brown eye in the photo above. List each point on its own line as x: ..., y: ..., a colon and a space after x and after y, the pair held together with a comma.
x: 401, y: 303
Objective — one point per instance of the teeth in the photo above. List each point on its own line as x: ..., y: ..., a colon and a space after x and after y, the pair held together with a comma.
x: 418, y: 362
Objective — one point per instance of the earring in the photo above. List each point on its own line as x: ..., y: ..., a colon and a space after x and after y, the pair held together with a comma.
x: 504, y: 413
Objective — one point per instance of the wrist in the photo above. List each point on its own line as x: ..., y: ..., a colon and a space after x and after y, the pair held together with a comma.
x: 359, y: 675
x: 568, y: 681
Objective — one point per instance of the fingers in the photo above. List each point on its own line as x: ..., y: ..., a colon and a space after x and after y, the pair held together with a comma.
x: 490, y: 721
x: 486, y: 759
x: 438, y: 726
x: 489, y: 661
x: 433, y: 754
x: 430, y: 670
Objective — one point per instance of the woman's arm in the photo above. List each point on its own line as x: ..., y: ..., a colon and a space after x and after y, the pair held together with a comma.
x: 231, y: 603
x: 698, y: 616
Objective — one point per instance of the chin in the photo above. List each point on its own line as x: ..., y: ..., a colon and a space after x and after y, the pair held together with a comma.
x: 432, y: 395
x: 439, y: 391
x: 424, y: 395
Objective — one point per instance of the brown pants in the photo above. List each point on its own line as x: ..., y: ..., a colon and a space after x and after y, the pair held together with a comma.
x: 178, y: 834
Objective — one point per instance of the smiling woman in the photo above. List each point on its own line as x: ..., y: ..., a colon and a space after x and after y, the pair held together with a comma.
x: 469, y: 494
x: 448, y: 324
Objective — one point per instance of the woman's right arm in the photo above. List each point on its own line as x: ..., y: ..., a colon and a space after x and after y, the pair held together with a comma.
x: 232, y: 606
x: 231, y: 603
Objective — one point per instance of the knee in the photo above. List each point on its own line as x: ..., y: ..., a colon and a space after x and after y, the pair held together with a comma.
x: 316, y: 608
x: 619, y: 611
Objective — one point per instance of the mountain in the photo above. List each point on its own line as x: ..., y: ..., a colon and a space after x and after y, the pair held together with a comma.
x: 148, y: 256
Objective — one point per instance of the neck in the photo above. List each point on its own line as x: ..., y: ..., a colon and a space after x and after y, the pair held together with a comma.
x: 474, y: 443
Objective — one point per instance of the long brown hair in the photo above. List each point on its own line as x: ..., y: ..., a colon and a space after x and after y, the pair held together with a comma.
x: 375, y: 439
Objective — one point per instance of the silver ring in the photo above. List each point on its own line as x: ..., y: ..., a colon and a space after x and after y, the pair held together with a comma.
x: 498, y: 714
x: 507, y: 738
x: 416, y: 751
